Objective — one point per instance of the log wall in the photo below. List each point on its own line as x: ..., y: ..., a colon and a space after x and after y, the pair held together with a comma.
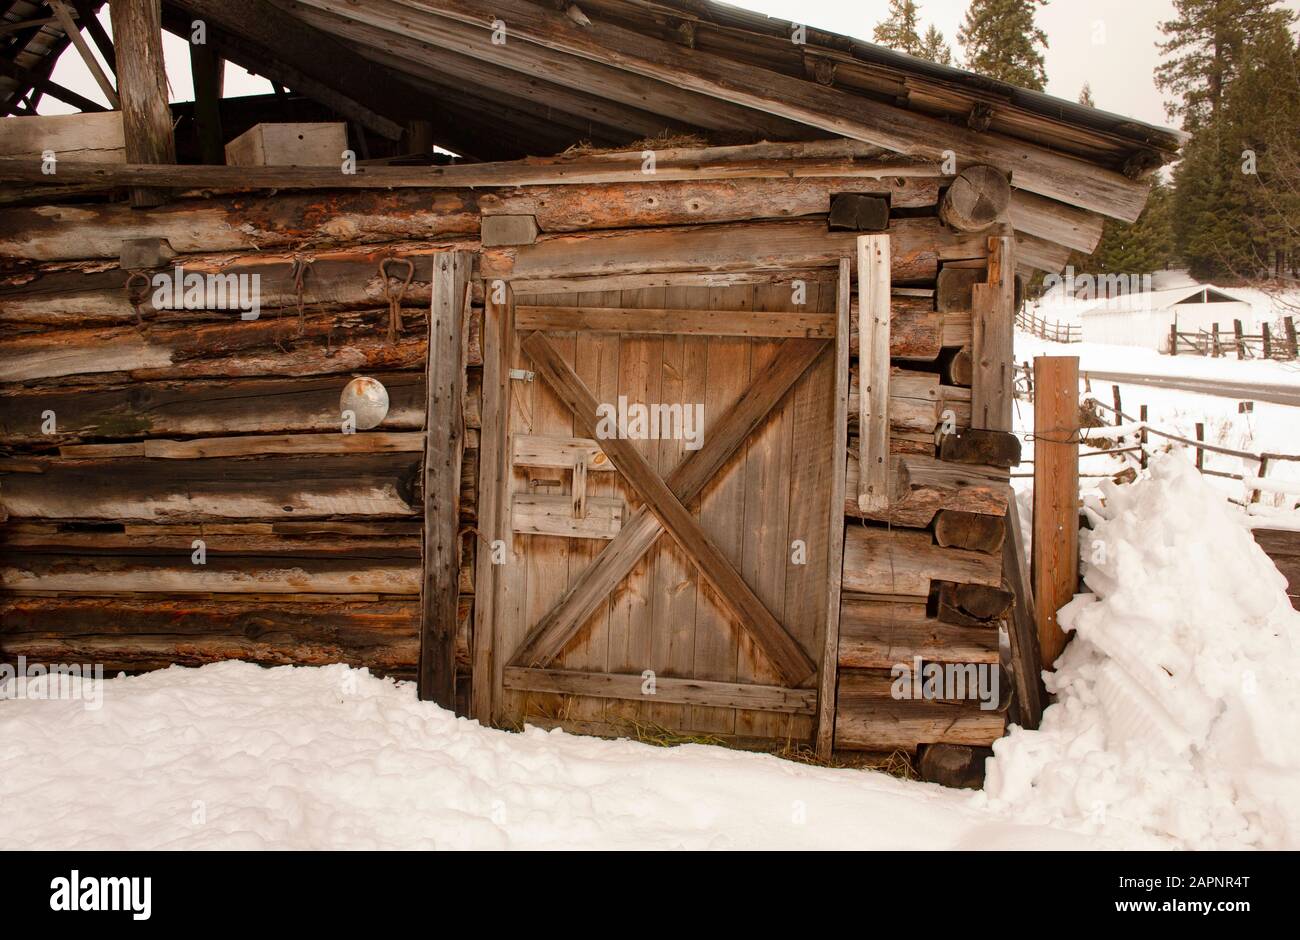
x: 196, y: 425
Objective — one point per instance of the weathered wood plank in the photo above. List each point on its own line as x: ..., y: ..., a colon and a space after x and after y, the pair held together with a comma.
x: 679, y: 691
x: 992, y: 323
x: 443, y: 456
x: 677, y: 322
x: 873, y: 257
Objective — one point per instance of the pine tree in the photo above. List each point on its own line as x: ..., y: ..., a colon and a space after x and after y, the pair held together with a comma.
x: 935, y: 48
x: 1085, y: 96
x: 1001, y: 41
x: 1207, y: 44
x: 1233, y: 69
x: 899, y: 31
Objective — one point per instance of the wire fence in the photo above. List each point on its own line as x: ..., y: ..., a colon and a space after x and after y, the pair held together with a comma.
x: 1125, y: 426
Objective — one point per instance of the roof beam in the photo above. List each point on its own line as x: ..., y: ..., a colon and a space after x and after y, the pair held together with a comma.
x: 416, y: 58
x: 42, y: 84
x: 261, y: 37
x: 73, y: 32
x: 473, y: 38
x: 1035, y: 168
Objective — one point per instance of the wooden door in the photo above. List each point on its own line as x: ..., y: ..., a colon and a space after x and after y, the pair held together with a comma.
x: 659, y: 581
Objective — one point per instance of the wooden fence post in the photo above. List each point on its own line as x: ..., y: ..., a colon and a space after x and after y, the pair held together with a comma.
x: 1291, y: 345
x: 1200, y: 439
x: 1173, y: 339
x: 1119, y: 415
x: 444, y: 431
x: 1142, y: 435
x: 1055, y: 569
x: 1218, y: 350
x: 1267, y: 338
x: 1263, y: 472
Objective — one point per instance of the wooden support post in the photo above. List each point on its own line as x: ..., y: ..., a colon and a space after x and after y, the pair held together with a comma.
x: 1214, y: 341
x: 1200, y: 439
x: 873, y: 362
x: 1056, y: 496
x: 73, y: 32
x: 1237, y: 333
x: 444, y: 446
x: 1267, y: 337
x: 142, y: 87
x: 993, y: 335
x: 1291, y: 345
x: 1263, y: 472
x: 207, y: 69
x: 835, y: 546
x: 1142, y: 435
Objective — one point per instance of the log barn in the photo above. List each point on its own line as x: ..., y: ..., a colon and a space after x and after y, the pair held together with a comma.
x: 800, y: 252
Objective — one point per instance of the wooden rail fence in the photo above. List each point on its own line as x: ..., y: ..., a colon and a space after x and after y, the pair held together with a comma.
x: 1217, y: 343
x: 1049, y: 329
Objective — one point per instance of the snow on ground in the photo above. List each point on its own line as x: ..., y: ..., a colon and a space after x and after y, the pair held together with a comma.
x: 1178, y: 713
x: 236, y: 756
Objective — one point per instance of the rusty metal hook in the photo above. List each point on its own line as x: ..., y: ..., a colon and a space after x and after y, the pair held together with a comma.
x: 395, y: 297
x: 137, y: 289
x: 298, y: 271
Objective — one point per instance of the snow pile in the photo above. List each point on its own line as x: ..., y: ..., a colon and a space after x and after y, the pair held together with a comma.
x: 240, y: 757
x: 1178, y: 711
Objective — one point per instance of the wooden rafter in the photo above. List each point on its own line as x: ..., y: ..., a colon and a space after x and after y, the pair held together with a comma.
x: 684, y: 485
x: 70, y: 29
x: 1036, y: 168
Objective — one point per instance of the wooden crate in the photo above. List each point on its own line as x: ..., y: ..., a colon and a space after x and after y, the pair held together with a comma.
x: 288, y: 145
x: 94, y: 138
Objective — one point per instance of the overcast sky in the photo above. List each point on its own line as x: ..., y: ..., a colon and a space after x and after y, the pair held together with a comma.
x: 1111, y: 44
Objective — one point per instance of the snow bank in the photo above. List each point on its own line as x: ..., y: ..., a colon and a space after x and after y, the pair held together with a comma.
x: 236, y: 756
x: 1178, y: 712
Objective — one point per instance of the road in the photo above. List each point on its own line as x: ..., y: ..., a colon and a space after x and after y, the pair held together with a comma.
x: 1277, y: 393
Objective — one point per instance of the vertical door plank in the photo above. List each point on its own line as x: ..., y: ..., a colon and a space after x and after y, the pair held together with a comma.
x: 835, y: 525
x: 722, y: 510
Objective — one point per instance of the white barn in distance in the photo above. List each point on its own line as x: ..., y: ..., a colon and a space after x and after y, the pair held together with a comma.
x: 1145, y: 319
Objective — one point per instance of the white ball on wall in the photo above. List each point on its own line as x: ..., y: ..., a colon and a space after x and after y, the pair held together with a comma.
x: 367, y: 399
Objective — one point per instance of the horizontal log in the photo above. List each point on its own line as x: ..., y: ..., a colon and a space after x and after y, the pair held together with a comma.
x: 647, y: 204
x: 220, y: 574
x: 275, y: 487
x: 256, y: 445
x: 337, y: 279
x: 972, y: 605
x: 865, y: 688
x: 915, y: 328
x: 917, y: 246
x: 238, y: 223
x: 675, y: 321
x: 877, y: 634
x: 922, y: 485
x: 627, y: 169
x: 983, y: 447
x: 666, y: 690
x: 198, y: 407
x: 281, y: 346
x: 903, y: 562
x: 972, y: 531
x: 137, y: 633
x: 903, y: 726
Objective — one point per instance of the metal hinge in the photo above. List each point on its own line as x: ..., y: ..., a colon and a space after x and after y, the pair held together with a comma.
x: 522, y: 375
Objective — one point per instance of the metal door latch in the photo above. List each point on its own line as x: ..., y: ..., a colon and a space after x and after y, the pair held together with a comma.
x: 522, y: 375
